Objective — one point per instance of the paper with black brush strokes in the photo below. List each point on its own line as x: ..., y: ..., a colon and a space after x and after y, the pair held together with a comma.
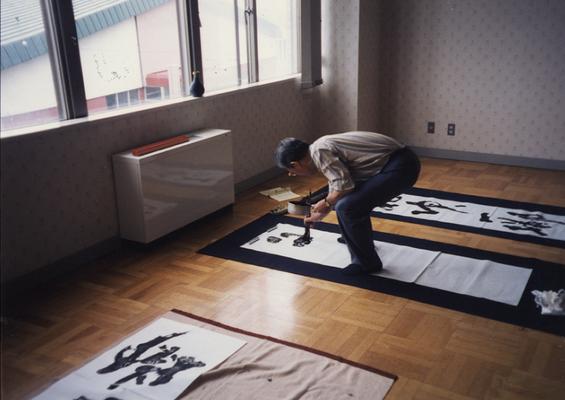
x: 479, y: 278
x: 158, y: 362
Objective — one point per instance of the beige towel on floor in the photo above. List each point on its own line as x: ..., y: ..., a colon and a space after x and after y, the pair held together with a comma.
x: 267, y: 370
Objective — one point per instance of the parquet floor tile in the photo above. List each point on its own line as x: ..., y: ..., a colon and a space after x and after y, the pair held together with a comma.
x: 437, y: 353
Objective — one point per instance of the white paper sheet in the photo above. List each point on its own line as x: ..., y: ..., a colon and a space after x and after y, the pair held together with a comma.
x: 140, y: 369
x: 324, y: 248
x: 502, y: 219
x: 531, y: 223
x: 430, y: 208
x: 280, y: 194
x: 403, y: 263
x: 399, y: 262
x: 284, y: 196
x: 75, y: 387
x: 479, y: 278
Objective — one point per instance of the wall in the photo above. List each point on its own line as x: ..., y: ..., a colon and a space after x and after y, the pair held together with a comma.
x: 57, y: 193
x: 350, y: 95
x: 340, y: 55
x: 369, y: 67
x: 496, y: 68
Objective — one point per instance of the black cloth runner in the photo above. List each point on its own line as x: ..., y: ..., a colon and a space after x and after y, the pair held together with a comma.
x: 545, y: 275
x: 520, y: 228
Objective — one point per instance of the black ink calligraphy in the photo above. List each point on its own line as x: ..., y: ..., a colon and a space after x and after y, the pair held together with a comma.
x: 427, y: 206
x: 533, y: 226
x: 122, y: 361
x: 288, y: 234
x: 535, y: 217
x: 301, y: 240
x: 164, y: 375
x: 389, y: 206
x: 273, y: 239
x: 485, y: 217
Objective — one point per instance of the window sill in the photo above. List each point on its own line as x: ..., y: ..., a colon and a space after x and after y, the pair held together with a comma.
x: 108, y: 115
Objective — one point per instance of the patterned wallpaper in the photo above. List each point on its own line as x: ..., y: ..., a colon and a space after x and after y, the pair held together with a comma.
x: 340, y: 50
x: 351, y: 44
x: 369, y: 67
x: 496, y: 68
x: 57, y: 190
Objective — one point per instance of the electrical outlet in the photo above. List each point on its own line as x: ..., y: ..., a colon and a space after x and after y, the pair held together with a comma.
x: 431, y: 127
x: 451, y: 129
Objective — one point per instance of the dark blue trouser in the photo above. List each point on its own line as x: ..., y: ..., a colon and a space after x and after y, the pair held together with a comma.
x: 353, y: 210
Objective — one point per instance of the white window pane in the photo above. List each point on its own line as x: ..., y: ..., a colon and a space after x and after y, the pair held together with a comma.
x: 277, y: 38
x: 220, y: 61
x: 129, y: 51
x: 27, y: 90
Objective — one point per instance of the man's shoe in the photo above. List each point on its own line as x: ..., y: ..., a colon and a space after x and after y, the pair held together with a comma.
x: 358, y: 269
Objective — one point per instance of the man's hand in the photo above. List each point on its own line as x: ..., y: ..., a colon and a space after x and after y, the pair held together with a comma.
x: 318, y: 212
x: 314, y: 217
x: 321, y: 207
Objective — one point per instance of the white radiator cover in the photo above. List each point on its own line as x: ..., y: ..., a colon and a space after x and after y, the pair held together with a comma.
x: 160, y: 192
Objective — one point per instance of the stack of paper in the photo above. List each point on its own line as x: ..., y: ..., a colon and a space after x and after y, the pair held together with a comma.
x: 280, y: 194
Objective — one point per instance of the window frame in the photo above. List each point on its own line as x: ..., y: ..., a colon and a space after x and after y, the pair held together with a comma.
x: 252, y: 46
x: 62, y: 43
x: 64, y: 55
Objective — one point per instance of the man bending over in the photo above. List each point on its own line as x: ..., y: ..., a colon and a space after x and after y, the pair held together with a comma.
x: 364, y: 170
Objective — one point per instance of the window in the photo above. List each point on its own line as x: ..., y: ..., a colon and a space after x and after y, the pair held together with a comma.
x: 27, y: 88
x: 128, y: 49
x: 277, y: 38
x: 135, y: 51
x: 228, y: 32
x: 222, y: 31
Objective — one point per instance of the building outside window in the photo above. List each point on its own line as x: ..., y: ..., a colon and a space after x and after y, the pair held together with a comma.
x: 26, y: 80
x: 130, y: 52
x: 128, y: 46
x: 223, y: 44
x: 277, y: 37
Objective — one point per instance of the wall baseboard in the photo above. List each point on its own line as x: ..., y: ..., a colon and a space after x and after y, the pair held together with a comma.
x: 13, y: 287
x: 258, y: 179
x: 490, y: 158
x: 20, y: 284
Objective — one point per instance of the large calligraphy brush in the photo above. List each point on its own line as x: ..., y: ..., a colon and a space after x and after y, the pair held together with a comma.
x: 306, y: 235
x: 306, y: 238
x: 304, y: 204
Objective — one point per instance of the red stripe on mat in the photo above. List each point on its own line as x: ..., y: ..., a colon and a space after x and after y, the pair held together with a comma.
x: 290, y: 344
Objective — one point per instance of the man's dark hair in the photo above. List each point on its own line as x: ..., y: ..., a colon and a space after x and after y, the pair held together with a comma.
x: 289, y: 150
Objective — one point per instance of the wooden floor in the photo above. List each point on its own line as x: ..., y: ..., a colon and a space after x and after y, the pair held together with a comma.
x: 437, y: 353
